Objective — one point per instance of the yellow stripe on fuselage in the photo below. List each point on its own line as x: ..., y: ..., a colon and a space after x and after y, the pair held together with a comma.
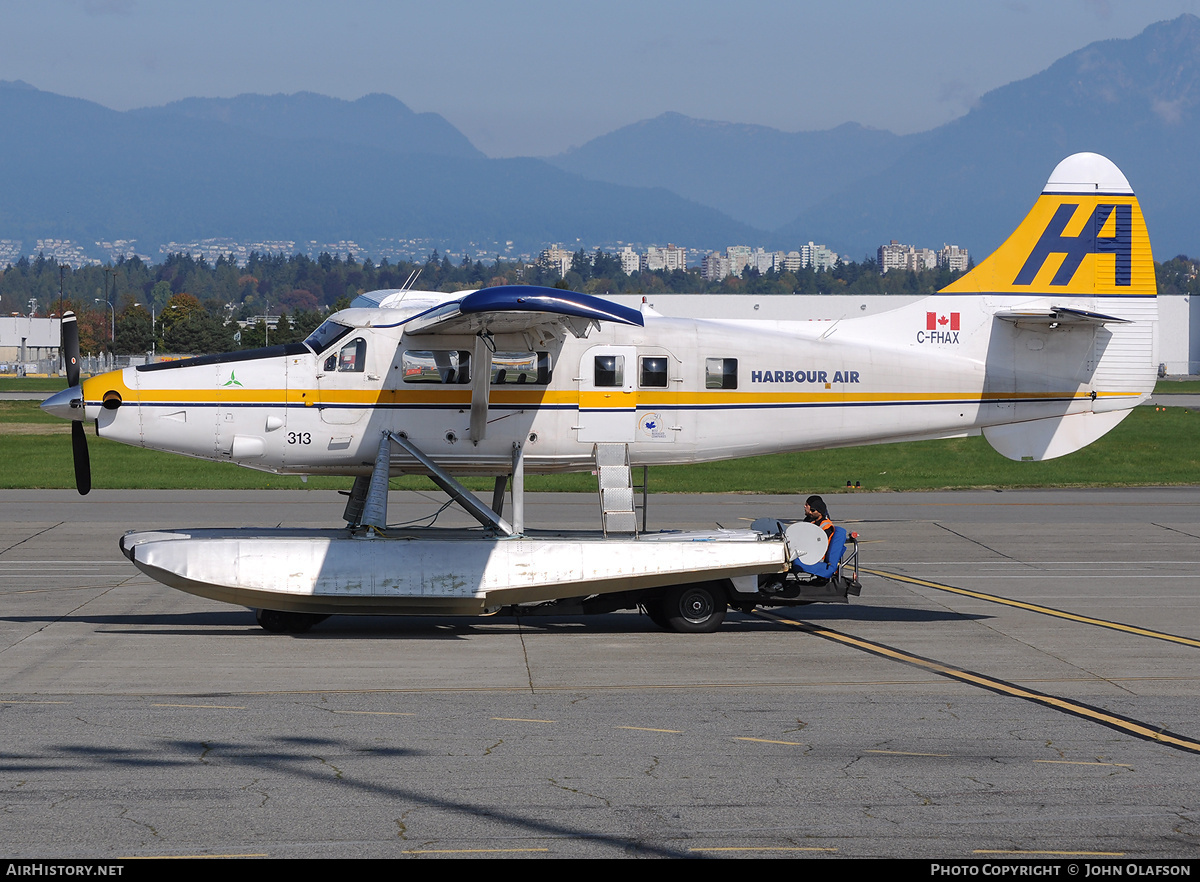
x: 94, y: 391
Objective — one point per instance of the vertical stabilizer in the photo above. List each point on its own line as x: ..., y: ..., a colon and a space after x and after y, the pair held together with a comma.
x: 1085, y: 236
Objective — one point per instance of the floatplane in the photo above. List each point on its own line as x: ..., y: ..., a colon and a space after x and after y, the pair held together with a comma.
x: 1043, y: 347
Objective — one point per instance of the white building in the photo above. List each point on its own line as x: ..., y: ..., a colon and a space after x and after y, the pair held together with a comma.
x: 24, y: 339
x: 631, y: 261
x: 909, y: 257
x: 922, y: 259
x: 954, y: 258
x: 818, y: 257
x: 893, y: 256
x: 764, y: 261
x: 670, y: 258
x: 556, y: 259
x: 739, y: 258
x: 715, y: 267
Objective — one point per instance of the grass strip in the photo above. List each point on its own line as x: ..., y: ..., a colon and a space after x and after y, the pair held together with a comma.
x: 1149, y: 448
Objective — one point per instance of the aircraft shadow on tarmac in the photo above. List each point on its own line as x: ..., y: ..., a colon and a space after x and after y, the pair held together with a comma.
x: 299, y: 758
x: 219, y: 622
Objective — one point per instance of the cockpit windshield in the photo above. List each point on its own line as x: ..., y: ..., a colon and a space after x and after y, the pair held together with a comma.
x: 326, y: 335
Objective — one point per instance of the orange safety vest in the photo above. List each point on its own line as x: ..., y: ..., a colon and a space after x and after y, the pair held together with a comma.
x: 826, y: 525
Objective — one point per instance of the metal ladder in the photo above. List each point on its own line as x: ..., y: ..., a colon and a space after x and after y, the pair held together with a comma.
x: 614, y: 478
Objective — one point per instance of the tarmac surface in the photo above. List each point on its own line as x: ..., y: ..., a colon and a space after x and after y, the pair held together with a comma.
x: 1051, y: 711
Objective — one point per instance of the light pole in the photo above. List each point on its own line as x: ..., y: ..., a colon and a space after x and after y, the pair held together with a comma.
x: 113, y: 329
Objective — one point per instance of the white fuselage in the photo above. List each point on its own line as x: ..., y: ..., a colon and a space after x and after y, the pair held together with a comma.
x: 676, y: 390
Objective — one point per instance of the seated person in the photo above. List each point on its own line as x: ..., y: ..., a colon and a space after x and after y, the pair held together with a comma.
x: 816, y: 512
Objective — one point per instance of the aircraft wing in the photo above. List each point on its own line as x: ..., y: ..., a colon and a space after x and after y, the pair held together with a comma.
x: 516, y: 308
x: 528, y: 309
x: 1057, y: 315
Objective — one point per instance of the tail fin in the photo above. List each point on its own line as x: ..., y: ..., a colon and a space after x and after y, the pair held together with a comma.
x: 1082, y: 364
x: 1085, y: 236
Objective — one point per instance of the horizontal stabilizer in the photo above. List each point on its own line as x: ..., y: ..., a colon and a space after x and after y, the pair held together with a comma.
x: 1037, y: 440
x: 516, y: 308
x: 1058, y: 315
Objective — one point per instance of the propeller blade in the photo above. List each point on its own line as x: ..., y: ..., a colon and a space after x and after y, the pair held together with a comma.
x: 70, y: 346
x: 83, y: 464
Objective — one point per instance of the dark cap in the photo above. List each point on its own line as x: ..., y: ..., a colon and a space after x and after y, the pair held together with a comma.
x: 816, y: 503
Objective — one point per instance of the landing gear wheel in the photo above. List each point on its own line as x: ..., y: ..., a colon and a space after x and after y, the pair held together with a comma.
x: 281, y: 622
x: 694, y: 609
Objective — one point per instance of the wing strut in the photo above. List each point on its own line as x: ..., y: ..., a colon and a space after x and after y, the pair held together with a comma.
x: 375, y: 509
x: 481, y: 386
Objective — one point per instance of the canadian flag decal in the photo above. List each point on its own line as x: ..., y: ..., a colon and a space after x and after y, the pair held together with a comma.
x: 933, y: 320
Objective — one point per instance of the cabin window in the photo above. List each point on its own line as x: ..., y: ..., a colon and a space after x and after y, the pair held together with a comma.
x: 352, y: 359
x: 720, y: 373
x: 652, y: 371
x: 520, y: 368
x: 609, y: 370
x: 445, y: 366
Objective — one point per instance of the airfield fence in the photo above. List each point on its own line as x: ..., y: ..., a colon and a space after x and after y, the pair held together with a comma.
x: 88, y: 364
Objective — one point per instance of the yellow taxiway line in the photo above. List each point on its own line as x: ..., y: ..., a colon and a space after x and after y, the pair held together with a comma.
x: 1075, y: 708
x: 1033, y: 607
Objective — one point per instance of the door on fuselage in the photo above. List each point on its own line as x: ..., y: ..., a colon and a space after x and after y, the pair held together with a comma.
x: 346, y: 388
x: 658, y: 416
x: 608, y: 394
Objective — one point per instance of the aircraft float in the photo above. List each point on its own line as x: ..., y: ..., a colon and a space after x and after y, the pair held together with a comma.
x: 1043, y: 347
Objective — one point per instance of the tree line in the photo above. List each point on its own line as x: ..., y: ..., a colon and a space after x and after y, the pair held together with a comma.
x: 188, y: 305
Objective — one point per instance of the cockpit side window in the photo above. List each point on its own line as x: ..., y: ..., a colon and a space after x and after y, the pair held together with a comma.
x: 352, y: 358
x: 326, y: 335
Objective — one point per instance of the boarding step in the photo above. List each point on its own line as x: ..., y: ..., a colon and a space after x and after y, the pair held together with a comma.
x: 614, y: 479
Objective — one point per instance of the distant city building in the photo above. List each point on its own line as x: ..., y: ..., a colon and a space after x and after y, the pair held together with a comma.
x: 922, y: 259
x: 739, y: 259
x: 767, y: 261
x: 953, y: 258
x: 343, y: 249
x: 892, y: 256
x: 670, y: 258
x: 212, y: 250
x: 64, y: 251
x: 715, y: 267
x: 10, y: 251
x: 121, y: 248
x: 556, y: 259
x: 818, y: 257
x: 909, y: 257
x: 631, y: 261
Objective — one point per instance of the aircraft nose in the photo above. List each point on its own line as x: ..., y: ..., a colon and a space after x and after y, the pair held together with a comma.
x: 67, y: 404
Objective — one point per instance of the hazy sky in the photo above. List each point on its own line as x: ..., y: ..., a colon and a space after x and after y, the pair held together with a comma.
x: 534, y: 78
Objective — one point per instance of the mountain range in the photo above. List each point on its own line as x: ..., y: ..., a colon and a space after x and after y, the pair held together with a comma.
x: 308, y: 167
